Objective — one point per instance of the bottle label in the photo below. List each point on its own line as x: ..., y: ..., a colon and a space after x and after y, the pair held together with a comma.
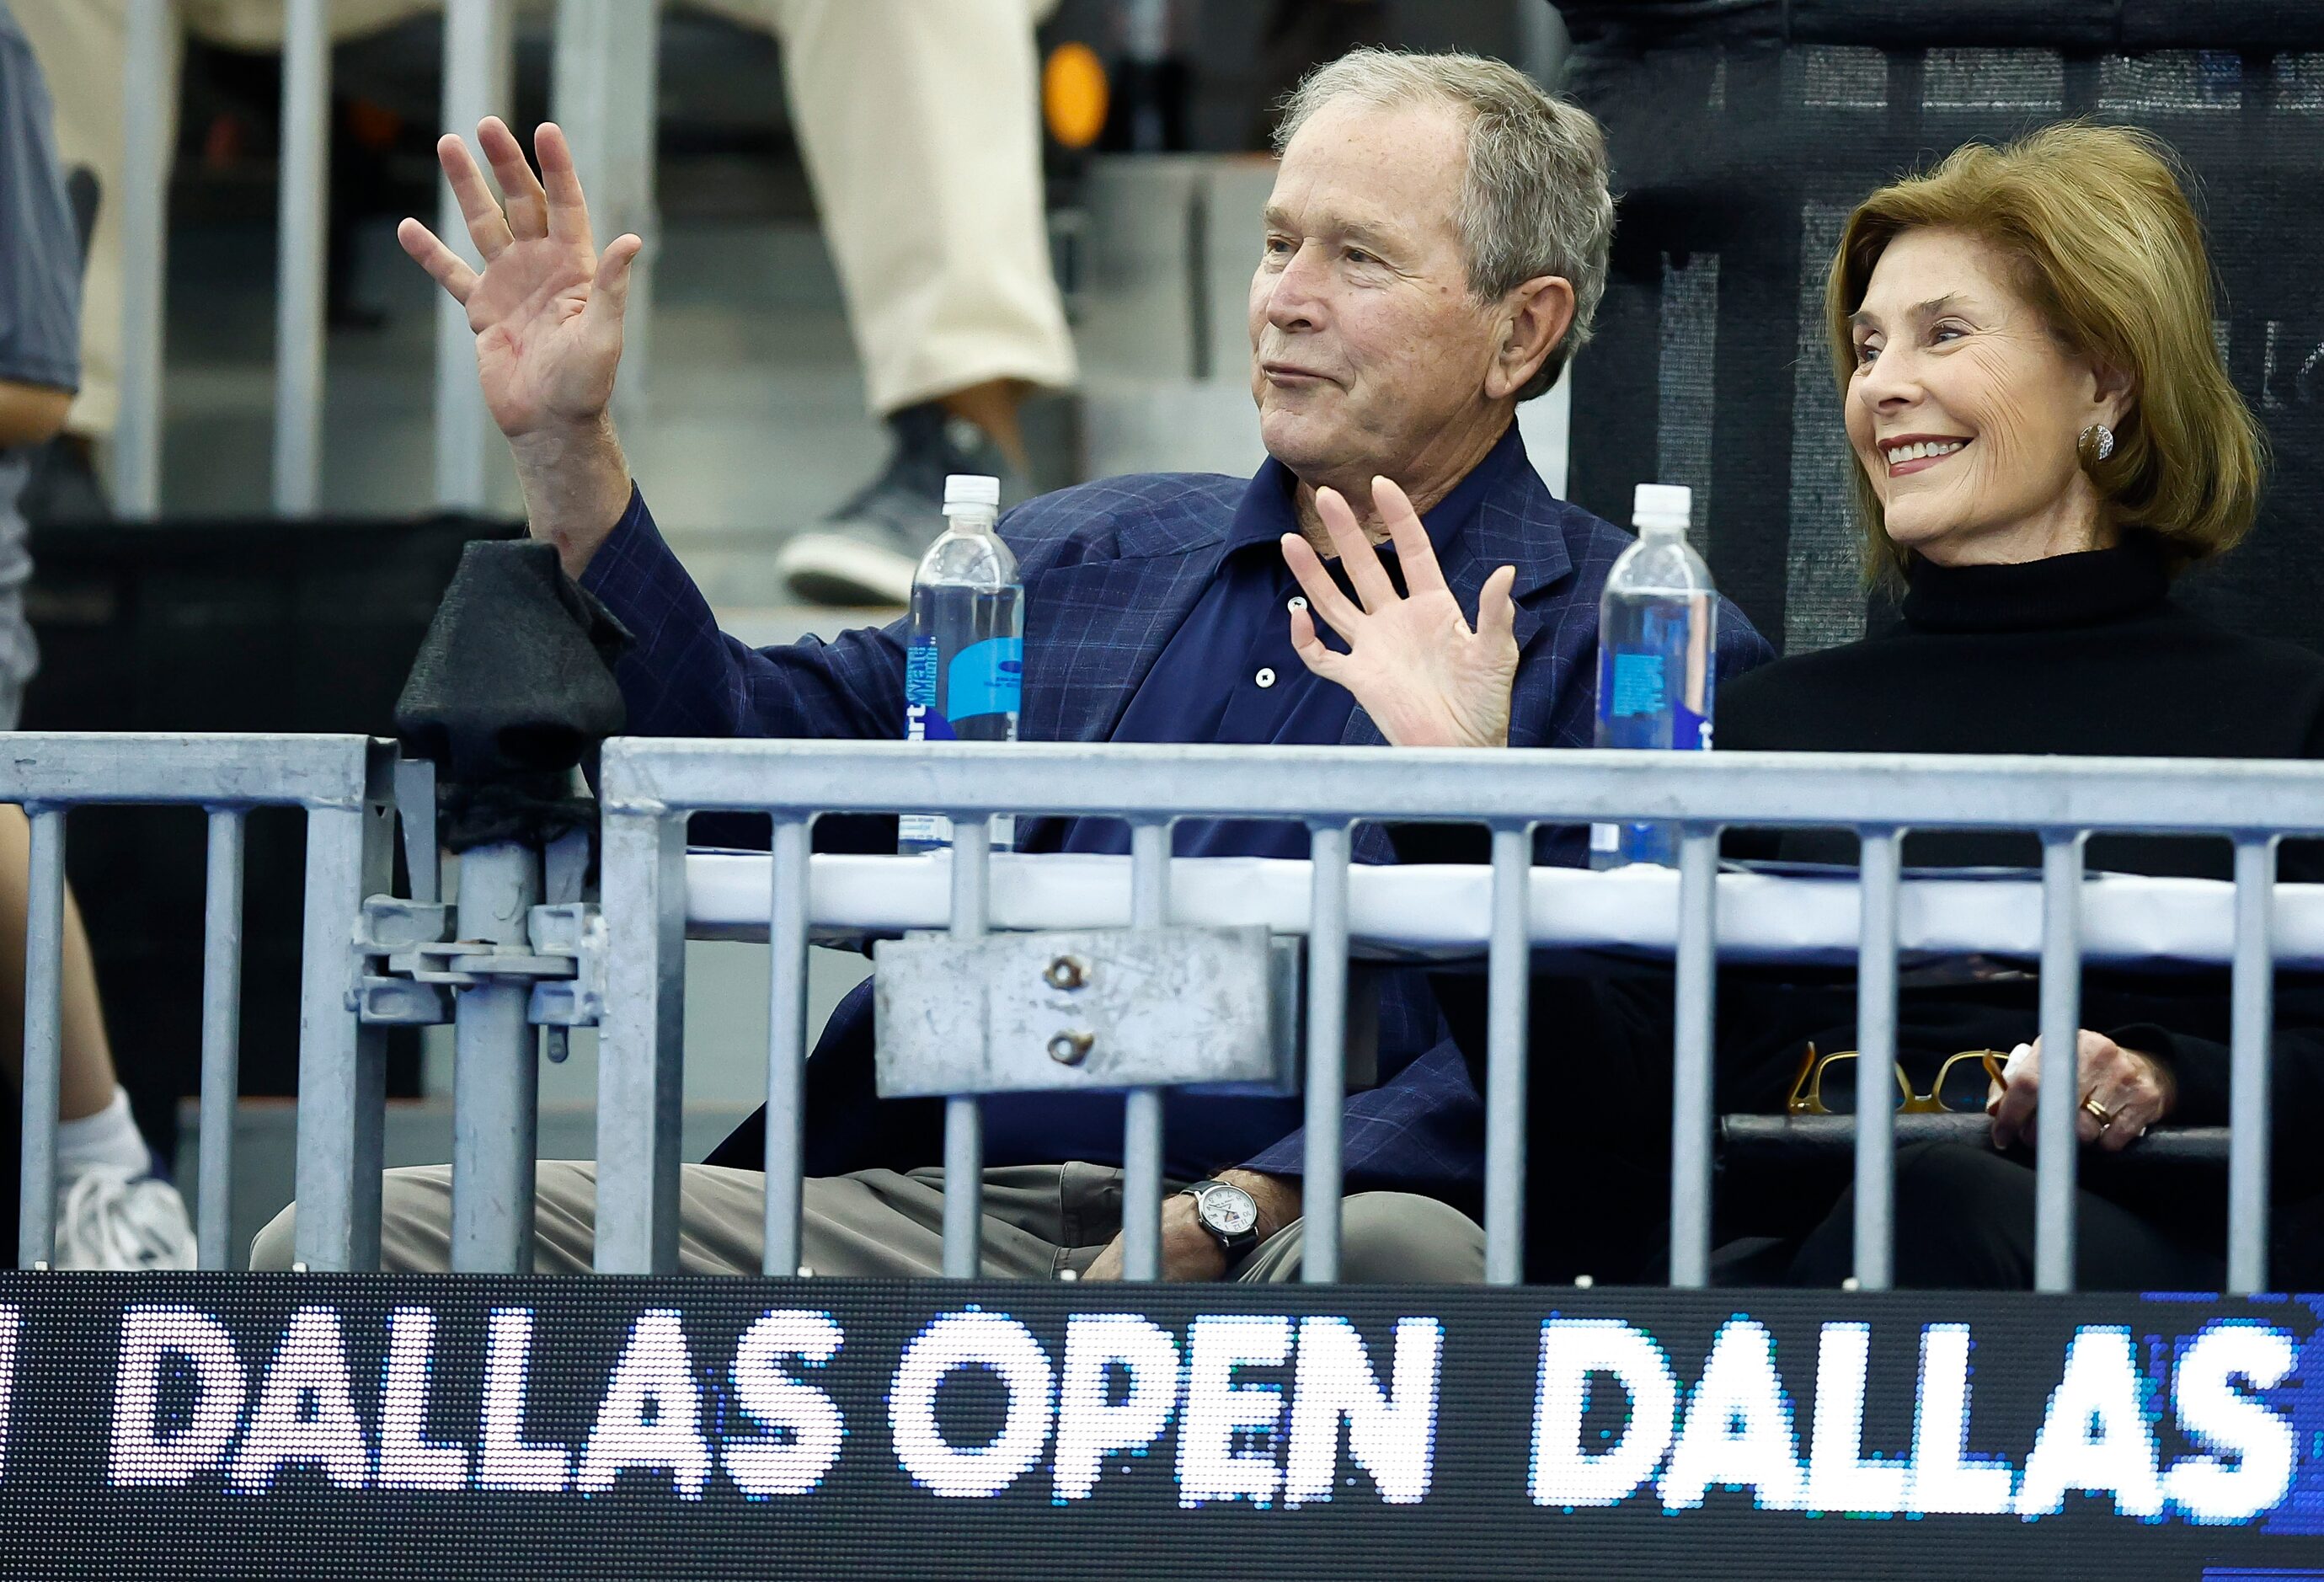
x: 1634, y: 688
x: 1638, y: 686
x: 922, y: 832
x: 922, y: 723
x: 987, y: 678
x: 918, y: 832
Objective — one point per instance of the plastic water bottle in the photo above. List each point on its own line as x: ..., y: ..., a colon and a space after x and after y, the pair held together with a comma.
x: 1657, y: 640
x: 965, y: 666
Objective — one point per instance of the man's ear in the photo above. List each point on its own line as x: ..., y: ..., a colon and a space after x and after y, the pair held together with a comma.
x: 1535, y: 317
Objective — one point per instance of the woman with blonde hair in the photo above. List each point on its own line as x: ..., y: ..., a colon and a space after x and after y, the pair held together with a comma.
x: 2045, y: 437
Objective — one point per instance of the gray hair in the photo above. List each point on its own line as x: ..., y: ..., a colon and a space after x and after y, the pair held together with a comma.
x: 1535, y: 200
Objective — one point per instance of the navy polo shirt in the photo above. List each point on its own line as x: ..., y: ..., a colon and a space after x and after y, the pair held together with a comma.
x: 1229, y: 674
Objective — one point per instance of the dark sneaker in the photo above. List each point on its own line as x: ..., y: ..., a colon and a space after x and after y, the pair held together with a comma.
x: 865, y: 551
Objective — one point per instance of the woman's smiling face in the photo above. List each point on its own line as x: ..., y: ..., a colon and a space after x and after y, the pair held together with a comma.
x: 1964, y: 410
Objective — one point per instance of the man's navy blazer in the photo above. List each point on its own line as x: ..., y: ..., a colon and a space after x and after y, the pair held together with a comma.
x: 1111, y: 568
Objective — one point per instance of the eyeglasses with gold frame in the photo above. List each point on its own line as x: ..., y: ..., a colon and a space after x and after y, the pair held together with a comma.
x: 1807, y: 1088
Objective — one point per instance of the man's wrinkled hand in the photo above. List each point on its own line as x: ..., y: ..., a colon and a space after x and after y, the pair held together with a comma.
x: 1413, y: 663
x: 547, y: 307
x: 546, y: 311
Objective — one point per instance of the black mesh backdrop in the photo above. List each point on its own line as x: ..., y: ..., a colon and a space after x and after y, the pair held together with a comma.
x: 1742, y: 133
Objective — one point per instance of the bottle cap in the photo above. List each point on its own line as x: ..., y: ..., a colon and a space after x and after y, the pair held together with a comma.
x: 968, y: 488
x: 1666, y: 506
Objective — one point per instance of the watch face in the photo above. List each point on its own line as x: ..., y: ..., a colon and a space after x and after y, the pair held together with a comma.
x: 1229, y: 1210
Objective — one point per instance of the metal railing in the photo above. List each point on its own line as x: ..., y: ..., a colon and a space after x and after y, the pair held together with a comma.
x: 650, y: 787
x: 341, y: 783
x: 602, y: 89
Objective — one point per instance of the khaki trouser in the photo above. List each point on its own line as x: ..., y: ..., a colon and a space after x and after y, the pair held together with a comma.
x: 919, y: 119
x: 1039, y: 1220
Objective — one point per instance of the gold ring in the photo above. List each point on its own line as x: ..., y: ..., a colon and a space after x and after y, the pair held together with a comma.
x: 2098, y: 1113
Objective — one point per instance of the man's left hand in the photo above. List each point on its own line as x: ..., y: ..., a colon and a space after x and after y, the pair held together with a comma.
x: 1413, y: 663
x: 1191, y: 1252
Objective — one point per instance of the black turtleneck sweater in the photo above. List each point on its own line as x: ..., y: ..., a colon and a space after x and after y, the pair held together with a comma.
x: 2081, y: 655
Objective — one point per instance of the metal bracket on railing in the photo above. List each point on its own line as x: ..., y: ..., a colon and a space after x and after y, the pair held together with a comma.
x: 1097, y: 1010
x: 573, y: 932
x: 407, y: 969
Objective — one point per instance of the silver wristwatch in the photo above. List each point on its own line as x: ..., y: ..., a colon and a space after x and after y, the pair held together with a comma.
x: 1229, y: 1213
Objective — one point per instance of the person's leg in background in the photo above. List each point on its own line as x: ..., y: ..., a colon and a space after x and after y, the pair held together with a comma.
x: 920, y: 127
x: 81, y: 45
x: 112, y: 1211
x: 919, y: 124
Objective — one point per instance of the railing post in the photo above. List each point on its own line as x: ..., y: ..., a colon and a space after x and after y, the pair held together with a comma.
x: 299, y: 249
x: 604, y: 93
x: 342, y: 1062
x: 143, y: 203
x: 415, y: 809
x: 787, y: 1043
x: 1141, y: 1143
x: 963, y: 1201
x: 477, y: 70
x: 2055, y: 1142
x: 1879, y: 878
x: 640, y: 1047
x: 1327, y: 1054
x: 1693, y: 1072
x: 2249, y: 1110
x: 1509, y: 979
x: 221, y: 1035
x: 44, y: 1048
x: 495, y: 1071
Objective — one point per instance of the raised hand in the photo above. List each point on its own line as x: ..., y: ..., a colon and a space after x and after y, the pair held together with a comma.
x: 546, y: 308
x: 1413, y: 663
x: 547, y: 313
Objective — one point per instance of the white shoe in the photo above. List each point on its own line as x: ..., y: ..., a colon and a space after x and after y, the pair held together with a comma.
x: 108, y: 1218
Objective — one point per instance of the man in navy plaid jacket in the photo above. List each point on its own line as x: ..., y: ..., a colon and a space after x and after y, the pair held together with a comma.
x: 1437, y: 243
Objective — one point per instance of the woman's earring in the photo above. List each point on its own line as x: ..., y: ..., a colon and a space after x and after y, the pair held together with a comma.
x: 2095, y: 444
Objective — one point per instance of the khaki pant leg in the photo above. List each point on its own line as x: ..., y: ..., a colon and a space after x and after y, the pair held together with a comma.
x: 879, y: 1224
x: 415, y: 1222
x: 257, y: 25
x: 920, y: 126
x: 1386, y: 1239
x: 884, y: 1224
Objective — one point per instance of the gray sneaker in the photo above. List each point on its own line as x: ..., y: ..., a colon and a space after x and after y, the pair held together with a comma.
x: 865, y: 551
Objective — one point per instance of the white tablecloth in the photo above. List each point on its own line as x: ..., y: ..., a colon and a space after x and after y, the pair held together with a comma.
x: 1435, y: 913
